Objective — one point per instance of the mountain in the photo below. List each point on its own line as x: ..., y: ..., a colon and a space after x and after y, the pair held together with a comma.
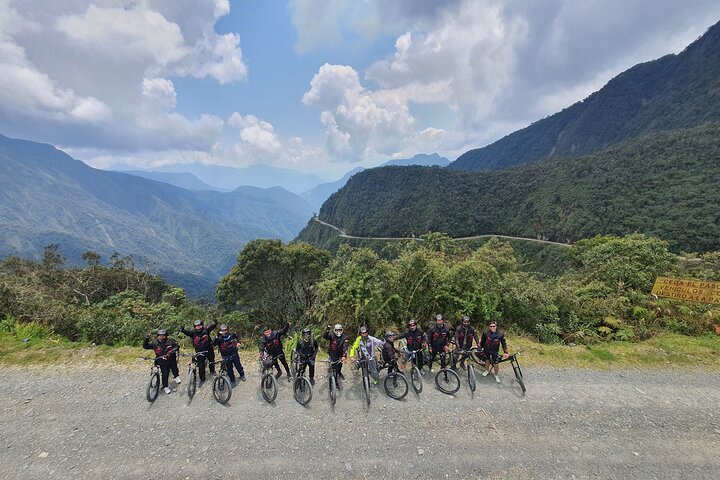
x: 316, y: 196
x: 675, y: 91
x: 183, y: 179
x: 420, y: 160
x: 664, y: 185
x: 191, y: 237
x: 229, y: 178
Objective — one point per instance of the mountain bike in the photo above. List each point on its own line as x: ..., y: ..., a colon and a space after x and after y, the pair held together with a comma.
x: 302, y: 390
x: 470, y: 356
x: 515, y: 366
x: 395, y: 383
x: 192, y: 372
x: 222, y: 391
x: 446, y: 379
x: 363, y: 364
x: 415, y: 377
x: 333, y: 379
x: 153, y: 387
x: 268, y: 384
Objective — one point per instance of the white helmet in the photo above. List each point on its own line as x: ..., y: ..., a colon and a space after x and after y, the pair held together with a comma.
x: 338, y: 329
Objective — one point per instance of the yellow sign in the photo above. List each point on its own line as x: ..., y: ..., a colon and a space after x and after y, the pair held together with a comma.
x: 690, y: 290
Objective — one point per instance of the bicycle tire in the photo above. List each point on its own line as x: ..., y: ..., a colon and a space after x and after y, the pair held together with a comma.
x: 366, y: 387
x: 396, y: 386
x: 268, y: 387
x: 294, y: 363
x: 416, y: 379
x: 191, y: 383
x: 333, y: 390
x: 519, y: 377
x: 302, y: 390
x: 153, y: 388
x: 471, y: 378
x: 222, y: 391
x: 448, y: 381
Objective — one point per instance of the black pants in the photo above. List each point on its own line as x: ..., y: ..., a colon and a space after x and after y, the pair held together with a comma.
x: 202, y: 359
x: 165, y: 367
x: 231, y: 362
x: 284, y: 362
x: 436, y: 353
x: 337, y: 366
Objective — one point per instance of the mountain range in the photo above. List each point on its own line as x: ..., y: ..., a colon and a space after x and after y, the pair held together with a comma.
x: 191, y: 237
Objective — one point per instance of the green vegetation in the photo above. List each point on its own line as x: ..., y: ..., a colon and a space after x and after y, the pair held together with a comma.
x: 673, y: 92
x: 663, y: 185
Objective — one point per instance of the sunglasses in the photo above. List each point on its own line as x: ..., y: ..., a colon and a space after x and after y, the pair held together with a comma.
x: 338, y: 329
x: 493, y: 326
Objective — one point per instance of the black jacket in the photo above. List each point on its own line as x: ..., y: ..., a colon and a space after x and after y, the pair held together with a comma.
x: 167, y: 348
x: 201, y: 341
x: 439, y: 337
x: 307, y: 349
x: 464, y: 337
x: 227, y: 345
x: 415, y: 339
x: 338, y: 345
x: 273, y: 343
x: 491, y: 342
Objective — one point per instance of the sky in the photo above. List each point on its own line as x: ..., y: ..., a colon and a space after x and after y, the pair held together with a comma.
x: 318, y: 86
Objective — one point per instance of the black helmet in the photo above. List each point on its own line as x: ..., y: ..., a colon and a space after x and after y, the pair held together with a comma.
x: 389, y: 335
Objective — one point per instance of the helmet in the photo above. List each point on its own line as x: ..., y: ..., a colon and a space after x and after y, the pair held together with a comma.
x: 162, y: 331
x: 438, y: 317
x: 338, y: 329
x: 389, y: 335
x: 363, y: 329
x: 198, y: 325
x: 306, y: 331
x: 465, y: 318
x: 412, y: 323
x: 223, y: 327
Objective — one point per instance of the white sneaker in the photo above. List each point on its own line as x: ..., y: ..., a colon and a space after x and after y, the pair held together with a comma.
x: 177, y: 380
x: 497, y: 378
x: 485, y: 373
x: 167, y: 390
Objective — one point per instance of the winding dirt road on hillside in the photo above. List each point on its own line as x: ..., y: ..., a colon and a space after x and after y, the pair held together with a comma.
x: 93, y: 423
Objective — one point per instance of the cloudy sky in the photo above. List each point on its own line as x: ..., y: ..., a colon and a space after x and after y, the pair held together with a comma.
x: 319, y: 86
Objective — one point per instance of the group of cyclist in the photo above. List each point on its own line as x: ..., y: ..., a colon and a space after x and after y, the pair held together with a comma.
x: 436, y: 342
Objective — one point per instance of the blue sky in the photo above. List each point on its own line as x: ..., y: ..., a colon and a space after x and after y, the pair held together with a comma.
x: 319, y: 86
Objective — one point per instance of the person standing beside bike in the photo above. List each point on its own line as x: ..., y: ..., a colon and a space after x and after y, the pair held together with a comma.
x: 307, y: 348
x: 368, y: 343
x: 203, y: 343
x: 227, y: 344
x: 271, y: 343
x: 439, y: 339
x: 389, y: 353
x: 491, y: 341
x: 464, y: 336
x: 338, y: 346
x: 166, y: 349
x: 416, y: 341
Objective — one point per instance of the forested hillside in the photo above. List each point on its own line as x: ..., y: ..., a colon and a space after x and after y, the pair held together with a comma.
x: 664, y: 185
x: 675, y: 91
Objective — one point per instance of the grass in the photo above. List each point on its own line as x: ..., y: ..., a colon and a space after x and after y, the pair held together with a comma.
x: 663, y: 351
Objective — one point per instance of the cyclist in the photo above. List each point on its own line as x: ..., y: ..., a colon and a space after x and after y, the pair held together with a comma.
x: 389, y: 352
x: 227, y: 344
x: 369, y: 344
x: 337, y: 349
x: 439, y: 339
x: 491, y: 342
x: 271, y: 343
x: 307, y: 348
x: 416, y: 340
x: 166, y: 349
x: 203, y: 343
x: 464, y: 337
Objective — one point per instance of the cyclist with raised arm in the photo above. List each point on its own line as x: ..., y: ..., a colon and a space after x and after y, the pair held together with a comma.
x: 438, y: 339
x: 416, y: 340
x: 271, y: 343
x: 227, y: 344
x: 464, y: 336
x: 166, y: 349
x: 491, y: 341
x: 338, y: 346
x: 307, y: 348
x: 202, y: 342
x: 368, y: 344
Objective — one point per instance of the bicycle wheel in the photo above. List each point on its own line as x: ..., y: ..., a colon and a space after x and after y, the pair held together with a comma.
x: 333, y: 390
x: 519, y: 377
x: 416, y: 379
x: 268, y: 387
x: 222, y: 391
x: 191, y: 383
x: 366, y: 388
x: 302, y: 390
x: 471, y: 378
x: 396, y: 386
x: 294, y: 362
x: 447, y: 381
x: 153, y: 388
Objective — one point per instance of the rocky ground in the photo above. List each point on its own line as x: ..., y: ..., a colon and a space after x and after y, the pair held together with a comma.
x: 94, y: 423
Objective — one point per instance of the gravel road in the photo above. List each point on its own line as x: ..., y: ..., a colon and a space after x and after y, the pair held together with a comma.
x: 93, y: 423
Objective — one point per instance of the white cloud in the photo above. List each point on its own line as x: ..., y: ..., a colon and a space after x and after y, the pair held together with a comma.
x: 256, y: 134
